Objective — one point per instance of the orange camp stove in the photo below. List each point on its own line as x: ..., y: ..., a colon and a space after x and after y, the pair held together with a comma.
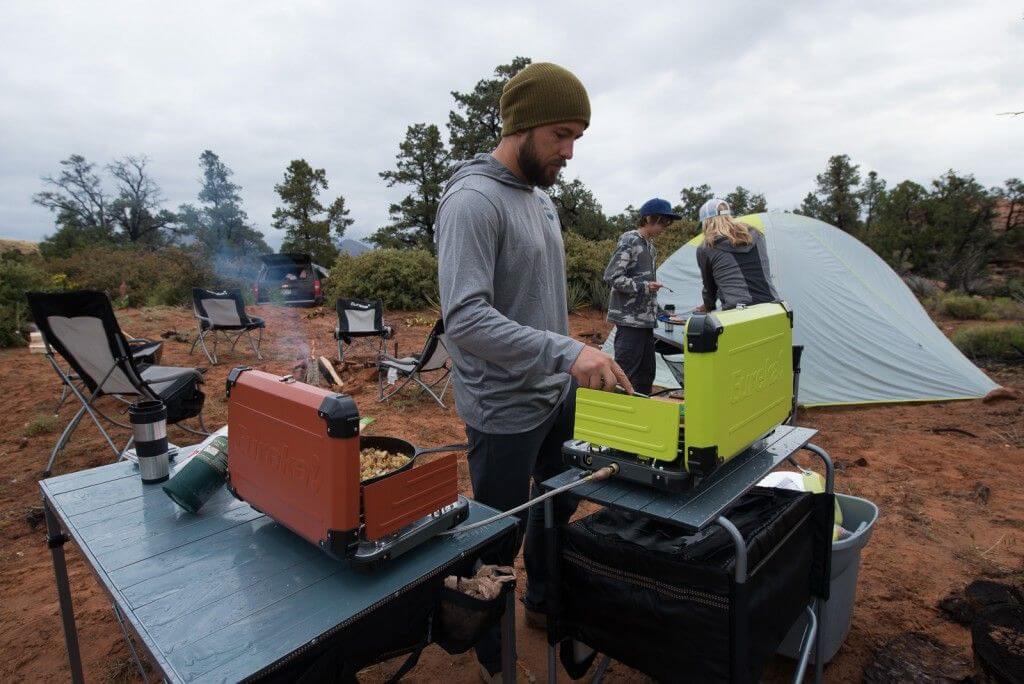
x: 293, y: 454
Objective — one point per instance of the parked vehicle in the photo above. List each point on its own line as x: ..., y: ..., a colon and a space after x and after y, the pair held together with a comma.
x: 290, y: 279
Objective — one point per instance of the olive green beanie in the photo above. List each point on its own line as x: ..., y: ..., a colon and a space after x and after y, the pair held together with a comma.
x: 542, y: 93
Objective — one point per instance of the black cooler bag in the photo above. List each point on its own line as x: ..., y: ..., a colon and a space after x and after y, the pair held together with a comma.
x: 660, y: 601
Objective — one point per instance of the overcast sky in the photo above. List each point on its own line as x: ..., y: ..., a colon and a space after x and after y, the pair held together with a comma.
x: 756, y: 94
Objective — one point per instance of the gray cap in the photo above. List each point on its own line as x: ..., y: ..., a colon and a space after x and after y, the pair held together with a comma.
x: 710, y: 209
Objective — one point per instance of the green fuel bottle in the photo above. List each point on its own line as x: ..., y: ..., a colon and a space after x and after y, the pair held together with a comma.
x: 201, y: 477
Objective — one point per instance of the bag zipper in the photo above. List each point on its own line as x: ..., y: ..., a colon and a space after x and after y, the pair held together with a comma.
x: 679, y: 593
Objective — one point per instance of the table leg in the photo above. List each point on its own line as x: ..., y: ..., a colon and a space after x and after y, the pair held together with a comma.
x: 55, y: 539
x: 508, y: 639
x: 810, y: 637
x: 819, y: 608
x: 131, y: 645
x: 553, y: 588
x: 738, y: 617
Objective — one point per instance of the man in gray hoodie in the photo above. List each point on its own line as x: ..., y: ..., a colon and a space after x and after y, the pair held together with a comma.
x: 501, y: 268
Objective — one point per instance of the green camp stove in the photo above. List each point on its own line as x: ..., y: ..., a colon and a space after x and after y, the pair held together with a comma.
x: 738, y: 385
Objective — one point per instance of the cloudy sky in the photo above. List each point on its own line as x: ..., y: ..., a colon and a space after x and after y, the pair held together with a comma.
x: 757, y: 94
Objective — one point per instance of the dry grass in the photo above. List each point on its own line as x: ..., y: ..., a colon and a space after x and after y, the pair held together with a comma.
x: 23, y: 246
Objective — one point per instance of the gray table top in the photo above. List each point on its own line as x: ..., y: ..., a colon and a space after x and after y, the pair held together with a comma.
x: 224, y: 594
x: 694, y: 509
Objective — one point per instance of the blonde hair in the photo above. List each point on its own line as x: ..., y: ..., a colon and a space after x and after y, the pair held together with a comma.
x: 725, y: 226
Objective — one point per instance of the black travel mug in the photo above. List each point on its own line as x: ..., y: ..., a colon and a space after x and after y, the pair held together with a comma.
x: 149, y: 425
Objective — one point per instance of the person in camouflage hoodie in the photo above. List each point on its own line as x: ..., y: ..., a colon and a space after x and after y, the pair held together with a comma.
x: 633, y: 306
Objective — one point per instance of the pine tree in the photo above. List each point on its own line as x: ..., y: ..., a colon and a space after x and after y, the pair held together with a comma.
x: 871, y: 194
x: 474, y: 125
x: 219, y: 223
x: 309, y: 227
x: 693, y: 198
x: 579, y: 212
x: 423, y: 163
x: 837, y: 198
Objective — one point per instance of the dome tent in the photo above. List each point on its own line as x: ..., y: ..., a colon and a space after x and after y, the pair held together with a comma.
x: 866, y: 337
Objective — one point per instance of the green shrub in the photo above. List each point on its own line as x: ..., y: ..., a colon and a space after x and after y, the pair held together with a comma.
x: 992, y: 341
x: 965, y: 307
x: 18, y: 274
x: 586, y: 259
x: 600, y: 294
x: 41, y: 425
x: 1007, y: 308
x: 401, y: 278
x: 674, y: 237
x: 577, y: 296
x: 151, y: 277
x: 585, y: 262
x: 976, y: 308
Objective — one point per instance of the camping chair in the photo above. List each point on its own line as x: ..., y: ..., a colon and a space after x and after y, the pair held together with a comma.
x: 361, y: 322
x: 433, y: 358
x: 81, y: 327
x: 223, y: 314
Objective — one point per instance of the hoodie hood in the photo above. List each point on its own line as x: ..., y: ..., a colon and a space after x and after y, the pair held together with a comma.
x: 722, y: 243
x: 484, y: 164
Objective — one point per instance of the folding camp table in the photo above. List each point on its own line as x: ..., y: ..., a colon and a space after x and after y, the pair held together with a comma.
x: 693, y: 511
x: 229, y: 594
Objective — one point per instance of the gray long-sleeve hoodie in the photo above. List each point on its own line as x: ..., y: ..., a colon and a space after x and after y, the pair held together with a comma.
x: 501, y: 268
x: 736, y: 274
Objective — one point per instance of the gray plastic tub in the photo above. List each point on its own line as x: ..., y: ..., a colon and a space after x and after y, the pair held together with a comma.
x: 838, y: 612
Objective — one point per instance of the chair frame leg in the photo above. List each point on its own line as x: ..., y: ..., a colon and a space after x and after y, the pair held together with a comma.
x: 211, y: 357
x: 259, y: 341
x: 86, y: 407
x: 424, y: 387
x: 403, y: 381
x: 199, y: 334
x: 64, y: 391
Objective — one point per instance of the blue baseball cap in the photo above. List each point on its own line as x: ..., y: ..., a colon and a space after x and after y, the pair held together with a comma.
x: 658, y: 207
x: 713, y: 207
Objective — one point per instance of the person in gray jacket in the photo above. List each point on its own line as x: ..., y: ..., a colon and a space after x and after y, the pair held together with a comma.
x: 633, y: 305
x: 733, y: 260
x: 501, y: 270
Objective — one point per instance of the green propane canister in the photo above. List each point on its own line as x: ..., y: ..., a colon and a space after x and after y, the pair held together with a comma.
x: 201, y: 477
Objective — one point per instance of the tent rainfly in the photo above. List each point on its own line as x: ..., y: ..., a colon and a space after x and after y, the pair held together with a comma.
x: 866, y: 337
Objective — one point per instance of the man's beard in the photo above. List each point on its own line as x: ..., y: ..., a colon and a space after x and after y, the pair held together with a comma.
x: 536, y: 172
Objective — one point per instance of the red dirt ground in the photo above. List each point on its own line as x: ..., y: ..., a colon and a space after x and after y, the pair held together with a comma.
x: 947, y: 478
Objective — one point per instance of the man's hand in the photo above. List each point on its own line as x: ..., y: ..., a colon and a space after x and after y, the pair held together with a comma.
x: 701, y: 309
x: 653, y: 286
x: 596, y: 370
